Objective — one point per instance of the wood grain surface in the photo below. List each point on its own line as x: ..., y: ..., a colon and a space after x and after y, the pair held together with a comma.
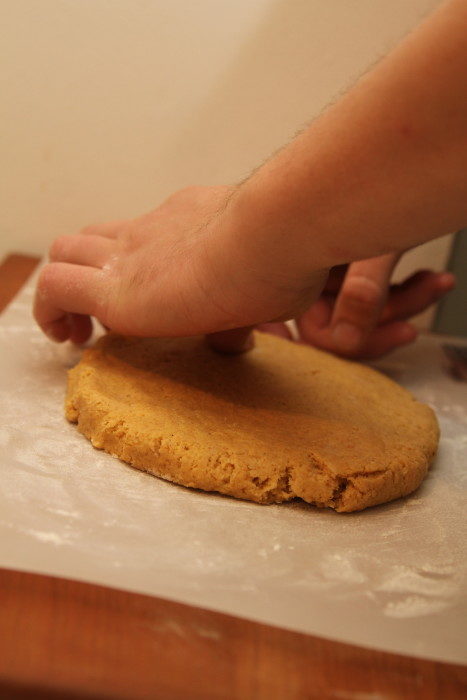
x: 61, y: 636
x: 65, y: 639
x: 14, y: 271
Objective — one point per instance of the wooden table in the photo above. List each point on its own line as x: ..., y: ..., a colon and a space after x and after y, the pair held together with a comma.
x: 64, y: 639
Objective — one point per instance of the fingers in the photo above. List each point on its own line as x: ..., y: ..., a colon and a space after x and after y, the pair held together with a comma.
x: 63, y: 290
x: 313, y: 325
x: 382, y: 329
x: 387, y: 338
x: 90, y: 250
x: 67, y: 288
x: 360, y: 302
x: 318, y: 316
x: 416, y: 294
x: 80, y: 328
x: 231, y: 342
x: 383, y: 339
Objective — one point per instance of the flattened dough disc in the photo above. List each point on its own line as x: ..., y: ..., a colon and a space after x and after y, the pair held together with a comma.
x: 282, y: 421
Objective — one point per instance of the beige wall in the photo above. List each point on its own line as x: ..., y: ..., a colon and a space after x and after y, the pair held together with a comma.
x: 108, y: 105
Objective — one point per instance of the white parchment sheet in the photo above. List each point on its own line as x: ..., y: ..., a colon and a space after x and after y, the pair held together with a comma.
x: 392, y: 577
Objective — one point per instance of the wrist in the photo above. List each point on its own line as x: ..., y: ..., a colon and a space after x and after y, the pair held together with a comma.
x: 273, y: 221
x: 261, y: 268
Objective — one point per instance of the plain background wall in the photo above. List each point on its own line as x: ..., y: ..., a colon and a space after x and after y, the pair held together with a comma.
x: 109, y: 105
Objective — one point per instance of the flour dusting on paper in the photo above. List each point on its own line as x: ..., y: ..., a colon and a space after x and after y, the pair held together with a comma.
x: 392, y: 577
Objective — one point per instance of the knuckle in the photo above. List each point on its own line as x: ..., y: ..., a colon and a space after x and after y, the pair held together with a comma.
x: 106, y: 306
x: 130, y: 241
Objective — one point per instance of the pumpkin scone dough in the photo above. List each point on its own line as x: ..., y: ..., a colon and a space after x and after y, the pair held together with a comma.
x: 282, y: 421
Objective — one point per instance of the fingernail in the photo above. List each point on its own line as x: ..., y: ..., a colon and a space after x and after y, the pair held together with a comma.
x: 346, y: 336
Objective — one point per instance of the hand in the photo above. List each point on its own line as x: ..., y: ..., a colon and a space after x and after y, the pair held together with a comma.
x: 360, y: 315
x: 179, y: 270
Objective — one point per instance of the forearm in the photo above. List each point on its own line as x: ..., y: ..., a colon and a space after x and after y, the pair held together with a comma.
x: 383, y: 169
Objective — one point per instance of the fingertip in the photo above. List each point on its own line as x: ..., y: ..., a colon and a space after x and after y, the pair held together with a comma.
x: 406, y: 333
x: 446, y: 281
x: 347, y: 337
x: 81, y: 329
x: 58, y: 331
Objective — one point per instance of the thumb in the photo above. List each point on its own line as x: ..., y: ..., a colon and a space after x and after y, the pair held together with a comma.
x: 360, y: 301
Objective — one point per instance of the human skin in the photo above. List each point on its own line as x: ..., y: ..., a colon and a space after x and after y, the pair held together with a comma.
x: 380, y: 171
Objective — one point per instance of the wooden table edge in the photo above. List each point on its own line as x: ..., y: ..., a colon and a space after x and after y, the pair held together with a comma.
x: 14, y: 271
x: 64, y: 638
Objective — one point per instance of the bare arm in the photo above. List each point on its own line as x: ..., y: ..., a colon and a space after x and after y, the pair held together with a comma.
x: 383, y: 169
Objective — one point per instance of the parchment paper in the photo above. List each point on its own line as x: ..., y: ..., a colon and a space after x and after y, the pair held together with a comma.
x: 392, y: 577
